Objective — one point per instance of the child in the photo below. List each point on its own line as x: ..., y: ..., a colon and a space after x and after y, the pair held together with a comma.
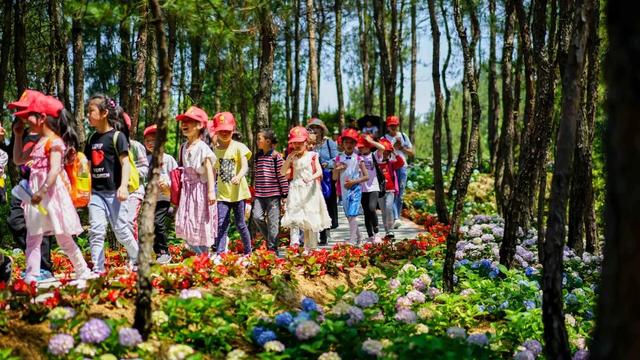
x: 370, y: 188
x: 233, y: 190
x: 404, y: 149
x: 168, y: 163
x: 305, y: 208
x: 370, y: 129
x: 197, y: 216
x: 4, y: 159
x: 271, y: 187
x: 47, y: 117
x: 351, y: 172
x: 110, y: 171
x: 388, y: 163
x: 139, y: 153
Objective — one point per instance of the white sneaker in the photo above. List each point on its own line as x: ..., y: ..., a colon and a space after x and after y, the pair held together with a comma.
x: 217, y: 260
x: 377, y: 239
x: 397, y: 224
x: 164, y: 259
x: 86, y: 275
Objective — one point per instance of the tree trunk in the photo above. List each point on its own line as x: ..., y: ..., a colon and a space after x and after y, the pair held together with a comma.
x: 388, y: 76
x: 555, y: 333
x: 320, y: 29
x: 414, y: 62
x: 78, y: 78
x: 363, y: 31
x: 295, y: 103
x: 125, y: 63
x: 288, y: 73
x: 20, y: 46
x: 538, y: 132
x: 542, y: 189
x: 394, y: 54
x: 172, y: 37
x: 142, y: 317
x: 504, y: 156
x: 493, y: 98
x: 447, y: 92
x: 400, y: 62
x: 465, y: 173
x: 618, y: 318
x: 268, y: 42
x: 313, y: 59
x: 141, y: 62
x: 151, y: 85
x: 6, y: 47
x: 338, y: 63
x: 195, y: 92
x: 307, y: 86
x: 59, y: 48
x: 464, y: 138
x: 441, y: 206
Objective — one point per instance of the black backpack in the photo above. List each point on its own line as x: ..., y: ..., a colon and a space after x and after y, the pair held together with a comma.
x: 382, y: 182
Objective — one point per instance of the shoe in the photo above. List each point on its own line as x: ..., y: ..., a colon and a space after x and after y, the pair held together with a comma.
x: 397, y: 224
x: 163, y: 259
x: 87, y: 275
x: 376, y: 239
x: 131, y: 266
x: 217, y: 260
x: 6, y: 269
x: 390, y: 235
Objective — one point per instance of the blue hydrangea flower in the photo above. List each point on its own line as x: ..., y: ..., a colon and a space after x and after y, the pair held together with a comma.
x: 529, y: 305
x: 366, y: 299
x: 129, y: 337
x: 478, y: 339
x: 529, y: 271
x: 504, y: 305
x: 524, y: 355
x: 485, y: 263
x: 256, y: 332
x: 265, y: 337
x: 533, y: 346
x: 60, y: 344
x: 406, y: 316
x: 571, y: 299
x: 355, y: 315
x: 456, y: 332
x: 588, y: 315
x: 307, y: 329
x: 581, y: 355
x: 475, y: 265
x: 284, y: 319
x: 94, y: 331
x: 308, y: 304
x: 493, y: 274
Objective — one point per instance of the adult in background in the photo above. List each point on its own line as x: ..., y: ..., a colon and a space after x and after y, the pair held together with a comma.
x: 404, y: 149
x: 327, y: 150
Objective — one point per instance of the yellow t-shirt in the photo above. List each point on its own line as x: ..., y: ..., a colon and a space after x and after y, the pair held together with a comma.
x: 228, y: 165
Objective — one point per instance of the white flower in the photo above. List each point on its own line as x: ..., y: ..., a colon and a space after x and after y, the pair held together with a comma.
x: 570, y: 320
x: 179, y: 352
x: 159, y: 317
x: 373, y: 347
x: 408, y: 267
x: 274, y: 346
x: 236, y: 354
x: 86, y: 350
x: 422, y: 329
x: 329, y: 356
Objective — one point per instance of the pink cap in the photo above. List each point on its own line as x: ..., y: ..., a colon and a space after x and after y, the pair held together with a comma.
x: 298, y: 134
x: 224, y: 121
x: 46, y: 105
x: 194, y: 113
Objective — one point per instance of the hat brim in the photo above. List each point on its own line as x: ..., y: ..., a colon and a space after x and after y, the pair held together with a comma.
x: 298, y: 139
x: 150, y: 132
x: 187, y: 117
x: 348, y: 137
x: 23, y: 114
x: 18, y: 104
x: 224, y: 128
x: 391, y: 123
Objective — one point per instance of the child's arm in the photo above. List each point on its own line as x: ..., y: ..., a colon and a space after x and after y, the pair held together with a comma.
x: 208, y: 166
x: 244, y: 168
x: 374, y: 143
x: 318, y: 173
x: 286, y: 165
x: 4, y: 159
x: 123, y: 190
x: 397, y: 163
x: 55, y: 166
x: 365, y: 177
x: 337, y: 170
x: 19, y: 156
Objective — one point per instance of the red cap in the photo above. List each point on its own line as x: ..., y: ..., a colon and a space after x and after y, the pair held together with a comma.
x: 387, y: 144
x: 27, y: 97
x: 350, y: 133
x: 393, y: 120
x: 150, y: 130
x: 224, y: 121
x: 298, y: 134
x: 127, y: 119
x: 194, y: 113
x: 46, y: 105
x: 362, y: 142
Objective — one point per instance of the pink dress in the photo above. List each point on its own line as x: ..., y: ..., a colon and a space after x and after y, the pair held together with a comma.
x: 196, y: 220
x: 62, y: 217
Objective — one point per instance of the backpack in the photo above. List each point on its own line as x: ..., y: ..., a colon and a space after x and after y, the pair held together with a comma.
x: 134, y: 175
x: 382, y: 182
x: 78, y: 179
x: 175, y: 176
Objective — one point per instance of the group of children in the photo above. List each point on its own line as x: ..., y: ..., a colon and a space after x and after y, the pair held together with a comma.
x: 208, y: 181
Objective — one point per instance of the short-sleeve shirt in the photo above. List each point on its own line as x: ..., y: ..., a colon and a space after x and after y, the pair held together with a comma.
x: 402, y: 137
x: 106, y: 170
x: 193, y: 156
x: 371, y: 184
x: 228, y: 165
x: 167, y: 164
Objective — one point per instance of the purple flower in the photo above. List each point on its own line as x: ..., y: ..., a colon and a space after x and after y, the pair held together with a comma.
x: 478, y: 339
x: 94, y: 331
x: 190, y: 293
x: 581, y: 355
x: 308, y: 304
x: 366, y: 299
x: 529, y: 305
x: 129, y: 337
x: 265, y: 337
x: 307, y: 329
x: 406, y: 316
x: 418, y: 284
x: 355, y: 315
x: 524, y: 355
x: 534, y: 346
x: 394, y: 283
x: 403, y: 302
x: 61, y: 344
x: 433, y: 292
x: 455, y: 332
x: 416, y: 296
x: 284, y: 319
x: 372, y: 347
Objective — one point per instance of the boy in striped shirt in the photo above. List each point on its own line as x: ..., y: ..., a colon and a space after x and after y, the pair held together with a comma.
x: 271, y: 188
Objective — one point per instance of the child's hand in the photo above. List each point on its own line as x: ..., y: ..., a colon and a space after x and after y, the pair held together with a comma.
x: 123, y: 193
x: 350, y: 183
x: 340, y: 166
x: 18, y: 128
x: 212, y: 198
x: 307, y: 180
x: 37, y: 197
x: 235, y: 180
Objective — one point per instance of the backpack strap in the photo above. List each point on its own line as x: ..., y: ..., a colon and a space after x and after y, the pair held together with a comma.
x: 274, y: 157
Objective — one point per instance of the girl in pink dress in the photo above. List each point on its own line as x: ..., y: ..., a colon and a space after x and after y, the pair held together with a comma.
x: 47, y: 180
x: 196, y: 217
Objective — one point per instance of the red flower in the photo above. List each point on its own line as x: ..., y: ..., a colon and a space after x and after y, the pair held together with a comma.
x: 113, y: 295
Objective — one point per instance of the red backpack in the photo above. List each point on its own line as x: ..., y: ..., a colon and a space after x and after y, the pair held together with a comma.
x: 175, y: 176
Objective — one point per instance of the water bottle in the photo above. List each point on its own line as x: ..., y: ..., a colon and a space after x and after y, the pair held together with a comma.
x: 83, y: 178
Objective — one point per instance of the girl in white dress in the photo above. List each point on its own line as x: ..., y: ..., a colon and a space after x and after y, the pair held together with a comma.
x: 305, y: 207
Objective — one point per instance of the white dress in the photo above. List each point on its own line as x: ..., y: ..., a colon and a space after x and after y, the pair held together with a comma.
x: 306, y: 208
